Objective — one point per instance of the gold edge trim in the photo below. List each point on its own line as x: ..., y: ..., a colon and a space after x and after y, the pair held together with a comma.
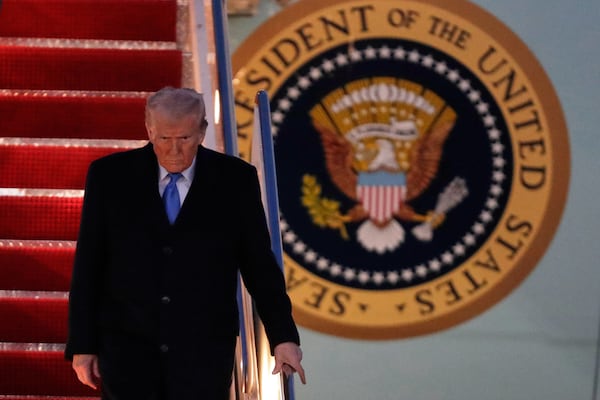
x: 72, y: 93
x: 33, y: 294
x: 61, y: 43
x: 33, y: 347
x: 68, y: 244
x: 61, y: 193
x: 73, y: 143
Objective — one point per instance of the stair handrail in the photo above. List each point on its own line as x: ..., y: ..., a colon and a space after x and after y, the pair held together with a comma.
x: 270, y: 196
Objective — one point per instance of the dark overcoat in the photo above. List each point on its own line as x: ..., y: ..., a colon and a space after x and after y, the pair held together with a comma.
x: 157, y: 302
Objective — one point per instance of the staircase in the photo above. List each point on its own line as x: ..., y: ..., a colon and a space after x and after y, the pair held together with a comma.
x: 74, y: 75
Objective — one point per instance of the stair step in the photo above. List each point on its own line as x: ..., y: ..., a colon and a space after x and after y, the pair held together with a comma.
x: 8, y: 397
x: 48, y: 114
x: 48, y: 167
x: 29, y: 265
x: 40, y: 215
x: 33, y: 317
x: 28, y: 372
x: 44, y: 68
x: 90, y: 19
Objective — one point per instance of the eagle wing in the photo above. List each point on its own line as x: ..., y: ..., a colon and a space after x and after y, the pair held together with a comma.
x: 426, y: 159
x: 338, y: 157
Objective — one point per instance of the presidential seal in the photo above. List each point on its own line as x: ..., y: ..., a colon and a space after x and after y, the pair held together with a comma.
x: 422, y: 160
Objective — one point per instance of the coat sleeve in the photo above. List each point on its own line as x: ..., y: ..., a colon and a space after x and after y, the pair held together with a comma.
x: 260, y: 271
x: 87, y: 269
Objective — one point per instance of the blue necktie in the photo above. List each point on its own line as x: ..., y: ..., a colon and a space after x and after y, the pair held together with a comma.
x: 171, y: 197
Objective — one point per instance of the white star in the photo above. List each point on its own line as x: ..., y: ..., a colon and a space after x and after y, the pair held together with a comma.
x: 349, y: 274
x: 378, y: 278
x: 393, y: 277
x: 453, y: 75
x: 447, y: 258
x: 341, y: 59
x: 328, y: 65
x: 310, y: 256
x: 407, y: 275
x: 363, y: 277
x: 441, y: 67
x: 414, y: 56
x: 293, y: 92
x: 399, y: 53
x: 322, y: 263
x: 483, y: 107
x: 464, y: 85
x: 315, y: 73
x: 355, y: 55
x: 469, y: 239
x: 435, y: 265
x: 289, y: 237
x: 283, y: 224
x: 421, y: 270
x: 274, y: 130
x: 486, y: 216
x: 488, y: 120
x: 385, y: 52
x: 277, y: 117
x: 370, y: 53
x: 304, y: 82
x: 496, y: 190
x: 491, y: 203
x: 497, y: 148
x: 494, y: 134
x: 458, y: 249
x: 299, y: 247
x: 284, y: 104
x: 474, y: 95
x: 335, y: 270
x: 498, y: 176
x: 428, y: 61
x: 499, y: 162
x: 478, y: 228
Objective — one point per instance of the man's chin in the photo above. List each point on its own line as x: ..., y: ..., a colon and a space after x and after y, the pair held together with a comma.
x: 173, y: 167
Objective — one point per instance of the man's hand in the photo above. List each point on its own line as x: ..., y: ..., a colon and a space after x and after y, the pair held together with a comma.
x: 287, y: 360
x: 86, y: 368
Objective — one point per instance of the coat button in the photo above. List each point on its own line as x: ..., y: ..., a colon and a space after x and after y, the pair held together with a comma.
x: 164, y: 348
x: 165, y: 299
x: 167, y: 250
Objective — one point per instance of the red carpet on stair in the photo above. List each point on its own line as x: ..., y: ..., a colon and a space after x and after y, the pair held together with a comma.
x: 89, y: 19
x: 48, y: 167
x: 31, y: 320
x: 45, y: 398
x: 88, y: 69
x: 36, y: 267
x: 39, y: 218
x: 64, y: 116
x: 39, y: 373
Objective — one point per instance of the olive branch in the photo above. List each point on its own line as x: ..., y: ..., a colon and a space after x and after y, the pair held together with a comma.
x: 325, y: 213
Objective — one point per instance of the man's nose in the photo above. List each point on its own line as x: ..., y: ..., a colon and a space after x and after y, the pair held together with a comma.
x: 175, y: 147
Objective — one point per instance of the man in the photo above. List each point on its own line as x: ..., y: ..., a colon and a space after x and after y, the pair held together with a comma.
x: 153, y: 307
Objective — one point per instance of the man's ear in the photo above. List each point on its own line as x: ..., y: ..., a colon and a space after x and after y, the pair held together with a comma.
x: 149, y: 132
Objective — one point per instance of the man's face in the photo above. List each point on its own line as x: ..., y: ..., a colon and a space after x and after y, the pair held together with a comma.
x: 175, y: 141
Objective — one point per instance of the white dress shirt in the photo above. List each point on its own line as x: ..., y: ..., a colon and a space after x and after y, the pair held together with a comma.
x: 183, y: 183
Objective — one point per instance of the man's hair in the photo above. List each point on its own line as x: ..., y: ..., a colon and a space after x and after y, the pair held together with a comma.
x: 177, y: 103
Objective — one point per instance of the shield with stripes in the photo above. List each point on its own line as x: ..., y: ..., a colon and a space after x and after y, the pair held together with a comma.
x: 381, y: 194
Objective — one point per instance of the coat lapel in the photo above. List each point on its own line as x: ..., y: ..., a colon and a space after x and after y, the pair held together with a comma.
x: 197, y: 200
x: 147, y: 188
